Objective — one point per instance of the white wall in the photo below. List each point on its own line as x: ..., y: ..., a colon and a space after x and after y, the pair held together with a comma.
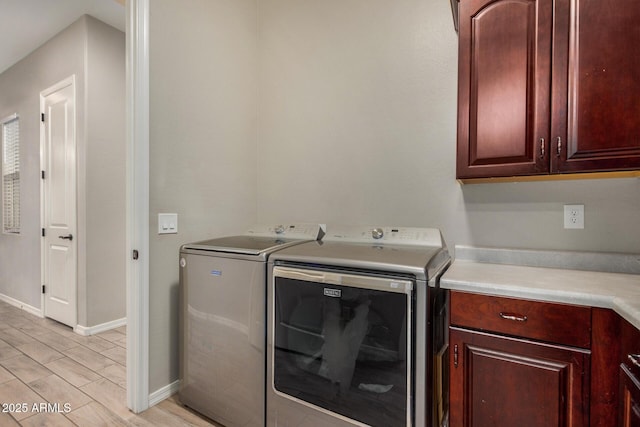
x: 20, y: 88
x: 105, y: 174
x: 94, y: 52
x: 357, y: 125
x: 202, y: 145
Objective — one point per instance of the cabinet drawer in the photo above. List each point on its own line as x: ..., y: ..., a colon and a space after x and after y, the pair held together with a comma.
x: 551, y: 322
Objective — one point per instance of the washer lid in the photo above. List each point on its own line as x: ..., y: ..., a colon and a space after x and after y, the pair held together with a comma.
x: 261, y: 239
x: 249, y: 245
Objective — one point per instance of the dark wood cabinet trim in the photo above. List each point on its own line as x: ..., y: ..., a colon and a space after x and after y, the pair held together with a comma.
x: 553, y: 177
x: 605, y: 354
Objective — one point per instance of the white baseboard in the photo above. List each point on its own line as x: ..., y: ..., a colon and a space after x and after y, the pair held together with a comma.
x: 92, y: 330
x: 26, y: 307
x: 163, y: 393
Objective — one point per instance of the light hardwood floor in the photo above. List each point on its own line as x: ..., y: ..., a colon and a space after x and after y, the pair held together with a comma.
x: 50, y: 376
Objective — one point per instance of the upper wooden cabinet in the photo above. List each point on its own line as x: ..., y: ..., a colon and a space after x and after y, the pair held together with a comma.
x: 548, y: 87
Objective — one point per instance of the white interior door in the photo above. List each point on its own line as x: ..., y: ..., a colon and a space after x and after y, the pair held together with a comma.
x: 59, y: 202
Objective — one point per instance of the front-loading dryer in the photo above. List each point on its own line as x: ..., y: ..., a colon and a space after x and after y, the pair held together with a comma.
x: 356, y: 330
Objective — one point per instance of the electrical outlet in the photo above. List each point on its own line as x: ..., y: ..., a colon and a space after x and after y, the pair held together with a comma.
x: 574, y: 216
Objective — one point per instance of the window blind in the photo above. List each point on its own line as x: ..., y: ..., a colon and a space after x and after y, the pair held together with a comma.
x: 11, y: 175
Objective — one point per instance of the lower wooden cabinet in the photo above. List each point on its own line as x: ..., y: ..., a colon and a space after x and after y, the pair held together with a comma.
x: 497, y: 380
x: 629, y: 413
x: 630, y: 399
x: 515, y: 362
x: 518, y: 363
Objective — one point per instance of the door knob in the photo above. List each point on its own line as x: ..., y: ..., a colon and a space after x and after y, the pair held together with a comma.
x: 67, y: 237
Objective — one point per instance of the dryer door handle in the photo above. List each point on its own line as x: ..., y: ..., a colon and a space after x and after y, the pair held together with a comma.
x: 306, y: 276
x: 351, y: 280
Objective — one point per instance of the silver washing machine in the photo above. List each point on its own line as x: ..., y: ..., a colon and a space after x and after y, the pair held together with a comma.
x: 356, y: 330
x: 223, y: 311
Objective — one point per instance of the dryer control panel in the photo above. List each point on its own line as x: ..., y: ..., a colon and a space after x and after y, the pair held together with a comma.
x: 390, y: 235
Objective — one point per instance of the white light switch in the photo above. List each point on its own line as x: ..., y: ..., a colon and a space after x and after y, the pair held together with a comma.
x: 167, y: 223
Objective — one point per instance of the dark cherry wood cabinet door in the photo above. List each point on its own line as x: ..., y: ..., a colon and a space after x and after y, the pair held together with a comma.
x: 596, y: 86
x: 500, y: 381
x: 504, y: 87
x: 630, y: 402
x: 629, y: 414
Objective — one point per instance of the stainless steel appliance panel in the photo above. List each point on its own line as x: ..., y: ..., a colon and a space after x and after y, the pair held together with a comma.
x: 223, y: 342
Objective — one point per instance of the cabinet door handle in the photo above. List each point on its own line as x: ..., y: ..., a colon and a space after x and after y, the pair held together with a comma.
x: 635, y: 359
x: 559, y: 145
x: 542, y: 148
x: 513, y: 316
x: 455, y: 355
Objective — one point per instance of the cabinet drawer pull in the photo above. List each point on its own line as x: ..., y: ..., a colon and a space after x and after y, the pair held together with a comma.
x: 513, y: 316
x: 635, y: 359
x: 542, y: 148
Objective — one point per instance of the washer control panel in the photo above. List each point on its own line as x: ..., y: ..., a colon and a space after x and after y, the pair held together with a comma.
x: 391, y: 235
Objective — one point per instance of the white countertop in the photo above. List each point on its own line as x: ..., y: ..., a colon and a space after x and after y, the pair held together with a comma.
x: 620, y: 292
